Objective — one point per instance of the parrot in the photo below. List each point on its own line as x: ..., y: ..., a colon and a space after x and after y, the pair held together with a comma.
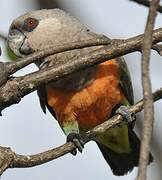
x: 85, y: 98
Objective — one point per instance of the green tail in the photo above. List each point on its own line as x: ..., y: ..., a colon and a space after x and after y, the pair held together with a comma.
x: 122, y: 163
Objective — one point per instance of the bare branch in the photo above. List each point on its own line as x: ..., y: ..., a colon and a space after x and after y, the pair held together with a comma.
x: 147, y: 4
x: 147, y: 92
x: 99, y: 40
x: 50, y: 50
x: 10, y: 159
x: 15, y: 89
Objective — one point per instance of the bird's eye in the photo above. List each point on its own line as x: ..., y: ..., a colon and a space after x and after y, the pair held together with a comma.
x: 30, y: 24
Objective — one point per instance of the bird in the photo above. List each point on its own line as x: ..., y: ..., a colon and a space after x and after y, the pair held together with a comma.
x: 85, y: 98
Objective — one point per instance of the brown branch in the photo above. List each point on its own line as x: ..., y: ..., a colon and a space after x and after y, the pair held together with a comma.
x: 98, y: 40
x: 10, y: 68
x: 15, y: 89
x: 147, y: 92
x: 9, y: 159
x: 13, y: 67
x: 147, y: 4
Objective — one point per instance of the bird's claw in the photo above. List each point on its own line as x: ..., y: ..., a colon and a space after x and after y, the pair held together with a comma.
x: 78, y: 142
x: 126, y: 114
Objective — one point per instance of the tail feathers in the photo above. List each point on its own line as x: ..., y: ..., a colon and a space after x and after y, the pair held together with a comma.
x: 121, y: 164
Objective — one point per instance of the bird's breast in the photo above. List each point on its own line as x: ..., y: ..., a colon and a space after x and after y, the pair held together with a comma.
x: 91, y: 105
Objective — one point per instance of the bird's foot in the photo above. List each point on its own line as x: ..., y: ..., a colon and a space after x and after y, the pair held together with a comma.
x: 77, y: 140
x: 126, y: 114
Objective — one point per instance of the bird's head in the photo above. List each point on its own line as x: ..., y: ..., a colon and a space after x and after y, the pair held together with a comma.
x: 36, y: 30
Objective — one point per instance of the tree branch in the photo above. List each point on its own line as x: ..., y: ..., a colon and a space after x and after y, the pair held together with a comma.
x: 147, y: 4
x: 147, y: 92
x: 98, y: 40
x: 9, y: 159
x: 12, y: 67
x: 15, y: 89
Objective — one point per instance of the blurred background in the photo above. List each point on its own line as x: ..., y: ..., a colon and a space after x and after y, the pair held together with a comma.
x: 27, y: 130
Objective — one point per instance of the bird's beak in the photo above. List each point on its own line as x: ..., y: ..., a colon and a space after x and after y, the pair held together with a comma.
x: 18, y: 43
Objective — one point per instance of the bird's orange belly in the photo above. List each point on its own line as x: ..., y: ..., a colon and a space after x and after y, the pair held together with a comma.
x: 91, y: 105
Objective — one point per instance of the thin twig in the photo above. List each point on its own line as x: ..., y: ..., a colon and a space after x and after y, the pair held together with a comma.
x: 147, y: 92
x: 147, y: 4
x: 9, y: 159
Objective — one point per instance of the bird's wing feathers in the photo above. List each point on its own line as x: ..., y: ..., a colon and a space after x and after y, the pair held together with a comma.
x: 125, y: 81
x: 42, y: 94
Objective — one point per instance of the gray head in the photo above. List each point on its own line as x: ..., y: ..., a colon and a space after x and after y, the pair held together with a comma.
x: 36, y: 30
